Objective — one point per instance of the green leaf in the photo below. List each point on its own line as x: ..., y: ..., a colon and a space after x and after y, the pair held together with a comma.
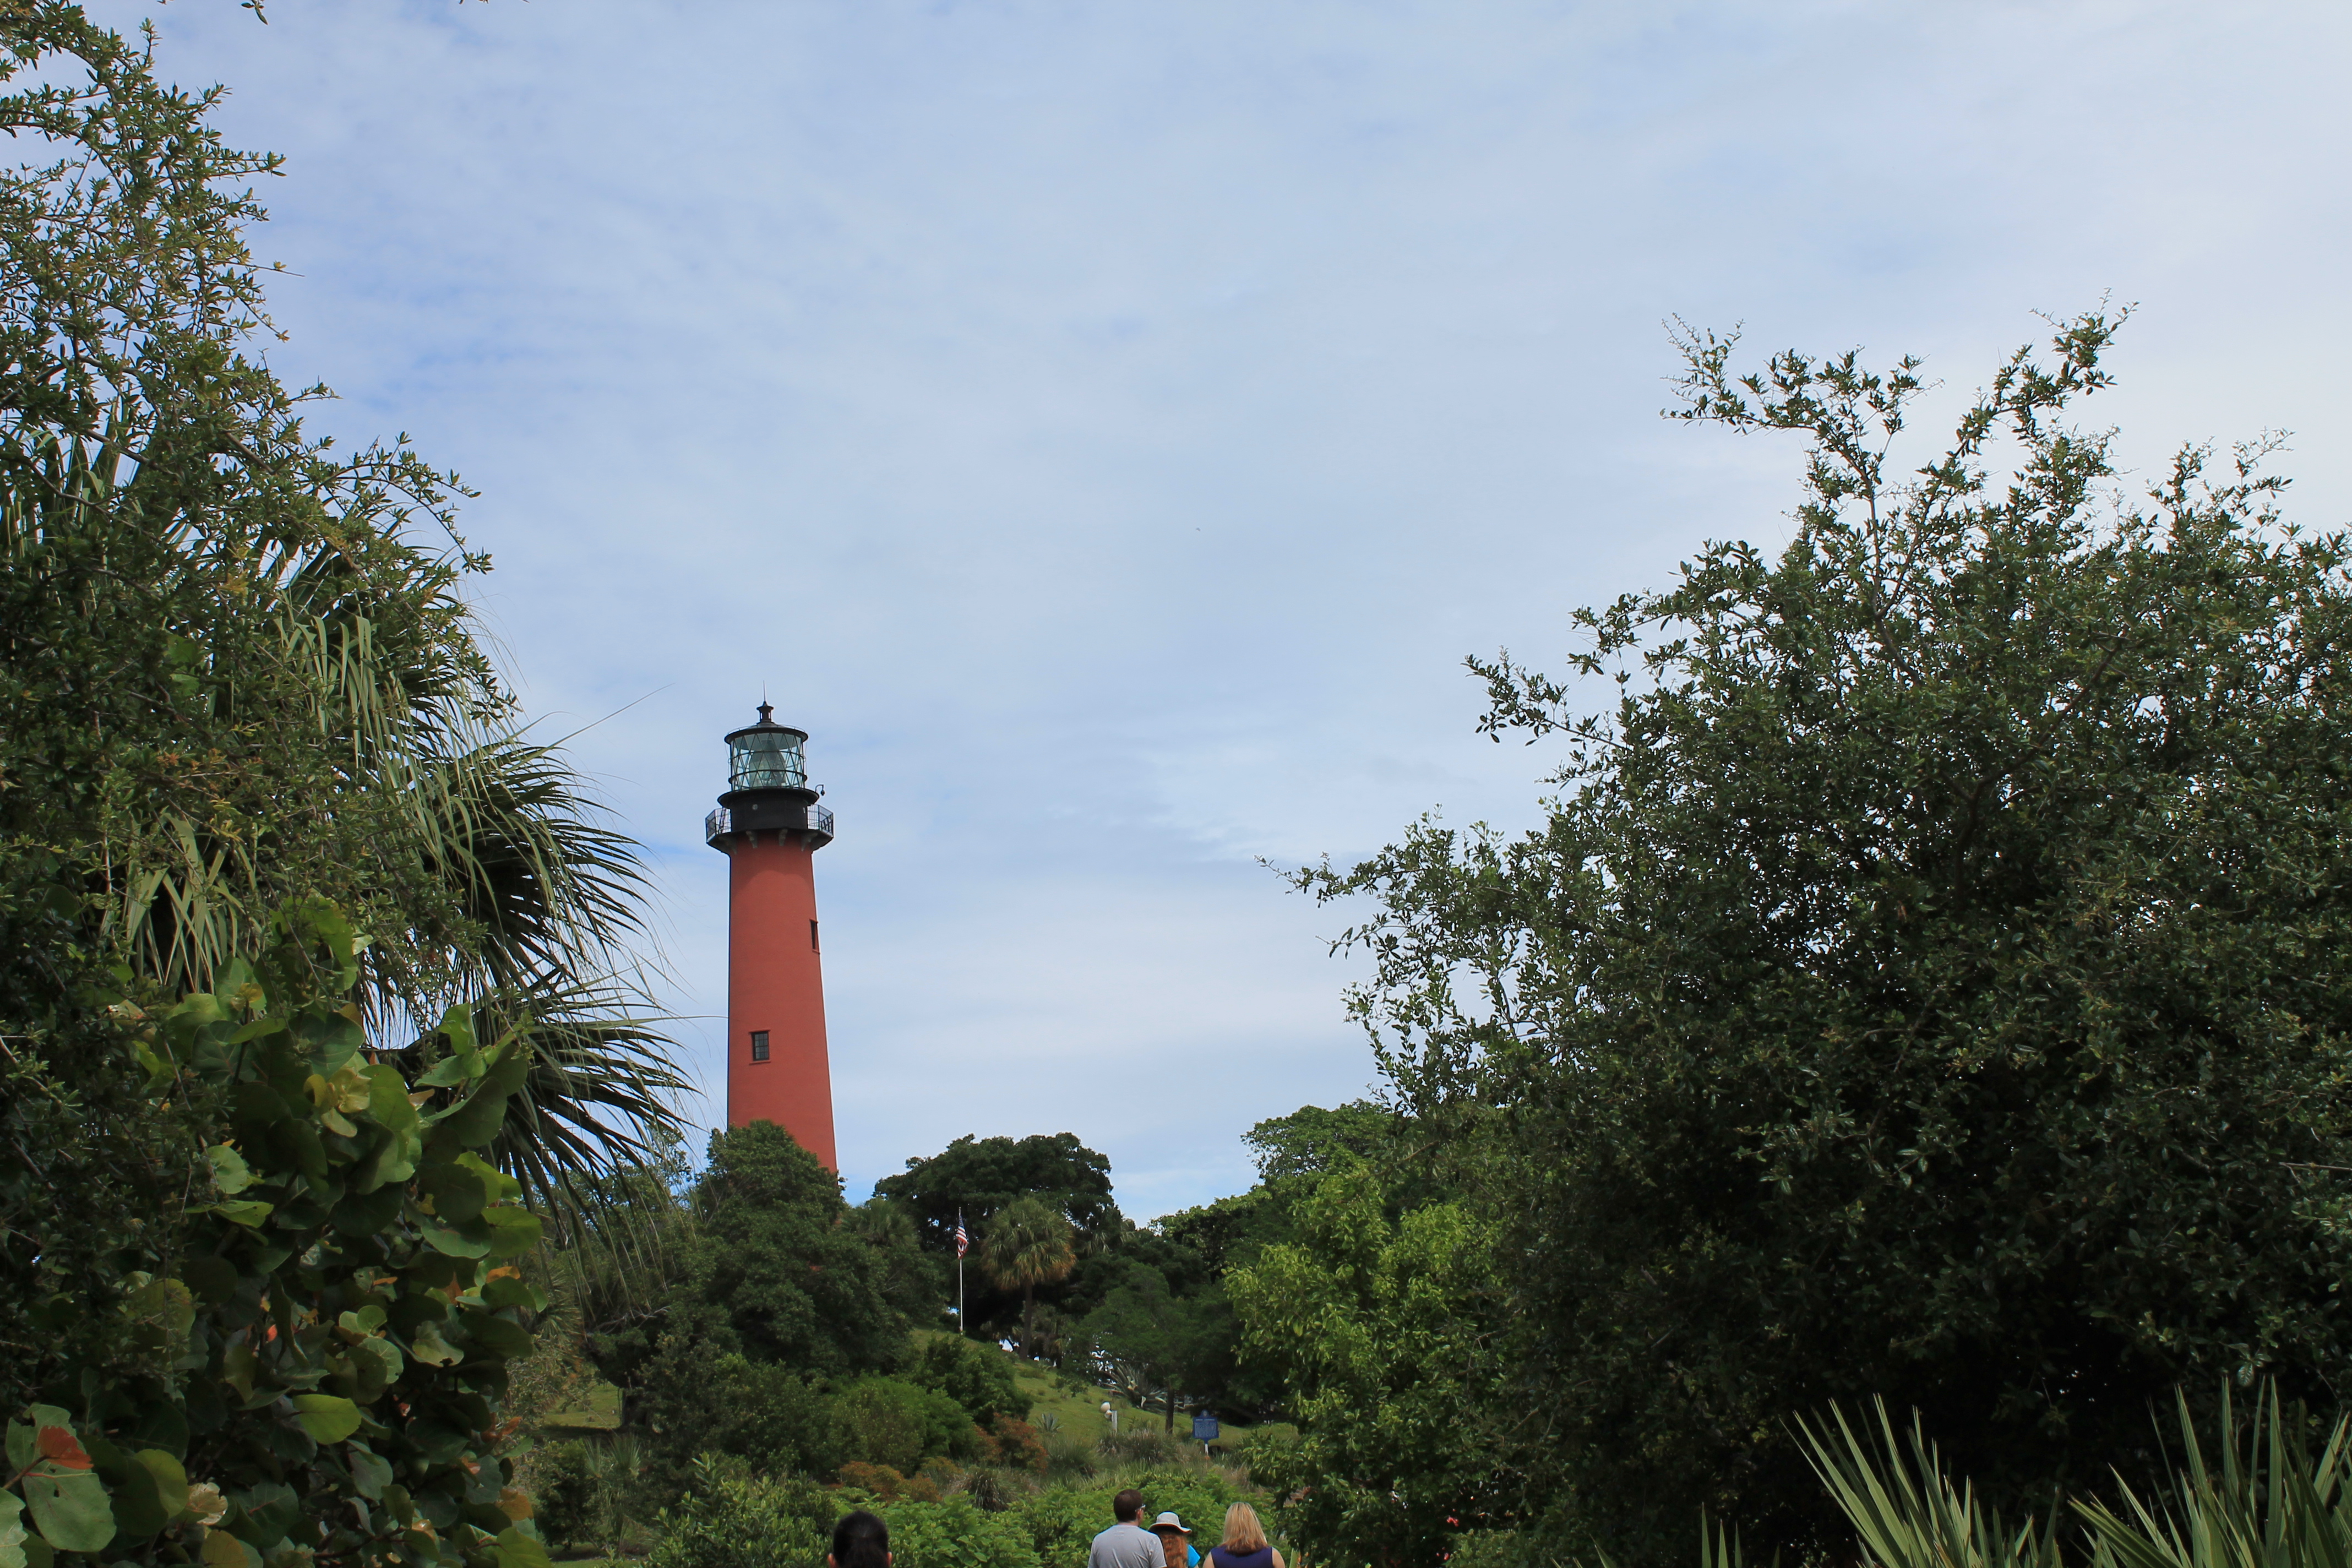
x: 517, y: 1550
x: 223, y: 1550
x: 459, y: 1193
x: 513, y: 1231
x: 12, y: 1531
x: 377, y: 1362
x: 244, y: 1212
x: 451, y: 1242
x: 70, y: 1512
x: 428, y: 1346
x: 369, y: 1475
x: 140, y: 1508
x: 21, y: 1452
x: 500, y: 1336
x: 327, y: 1417
x: 170, y: 1479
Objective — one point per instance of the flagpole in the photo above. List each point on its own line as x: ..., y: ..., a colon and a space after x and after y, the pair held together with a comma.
x: 959, y: 1244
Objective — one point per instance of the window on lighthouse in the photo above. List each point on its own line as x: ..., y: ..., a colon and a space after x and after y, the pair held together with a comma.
x: 759, y: 1045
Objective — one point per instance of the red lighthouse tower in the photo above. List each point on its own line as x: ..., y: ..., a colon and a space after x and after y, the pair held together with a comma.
x: 770, y: 828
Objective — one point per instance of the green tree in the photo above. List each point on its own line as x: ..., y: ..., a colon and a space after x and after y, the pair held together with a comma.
x: 775, y: 1273
x: 1149, y: 1343
x: 976, y: 1376
x: 1390, y: 1334
x: 1026, y: 1245
x: 235, y: 667
x: 1928, y: 982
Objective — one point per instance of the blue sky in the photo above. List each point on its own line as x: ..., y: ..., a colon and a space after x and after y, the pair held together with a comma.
x: 1105, y: 428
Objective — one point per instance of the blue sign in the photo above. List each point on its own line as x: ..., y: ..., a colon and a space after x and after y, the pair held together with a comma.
x: 1204, y: 1428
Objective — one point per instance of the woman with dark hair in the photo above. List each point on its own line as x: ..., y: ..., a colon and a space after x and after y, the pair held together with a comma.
x: 860, y: 1540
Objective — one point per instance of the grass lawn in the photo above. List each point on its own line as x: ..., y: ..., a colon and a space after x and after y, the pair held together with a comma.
x: 1081, y: 1416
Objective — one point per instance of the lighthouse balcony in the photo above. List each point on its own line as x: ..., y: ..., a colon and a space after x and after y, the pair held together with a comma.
x: 816, y: 821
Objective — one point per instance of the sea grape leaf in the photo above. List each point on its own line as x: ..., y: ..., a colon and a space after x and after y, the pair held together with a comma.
x: 170, y: 1479
x: 223, y: 1550
x: 327, y: 1417
x: 517, y: 1550
x: 369, y: 1475
x: 428, y: 1346
x: 513, y: 1231
x: 71, y: 1512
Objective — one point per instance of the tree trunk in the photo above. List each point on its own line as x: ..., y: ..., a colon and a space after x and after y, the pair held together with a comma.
x: 1028, y: 1317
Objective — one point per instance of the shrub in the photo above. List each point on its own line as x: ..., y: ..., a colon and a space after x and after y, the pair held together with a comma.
x: 1017, y: 1444
x: 1149, y: 1446
x: 562, y: 1490
x: 1068, y: 1457
x: 956, y: 1534
x: 882, y: 1481
x: 731, y: 1520
x: 1061, y: 1520
x: 995, y: 1487
x: 333, y: 1351
x: 975, y: 1376
x: 884, y: 1421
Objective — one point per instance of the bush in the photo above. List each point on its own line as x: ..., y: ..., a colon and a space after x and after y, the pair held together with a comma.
x: 556, y: 1476
x: 1017, y: 1444
x: 1061, y: 1521
x: 956, y: 1534
x: 1149, y: 1445
x: 995, y: 1487
x: 732, y: 1520
x: 883, y: 1421
x: 1068, y: 1457
x: 975, y: 1376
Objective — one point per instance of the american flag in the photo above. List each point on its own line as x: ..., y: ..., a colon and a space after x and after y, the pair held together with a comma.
x: 962, y: 1241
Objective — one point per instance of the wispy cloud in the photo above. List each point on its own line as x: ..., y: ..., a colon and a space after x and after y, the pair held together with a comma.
x: 1104, y: 427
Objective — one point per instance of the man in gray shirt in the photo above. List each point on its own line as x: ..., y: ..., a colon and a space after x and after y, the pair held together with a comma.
x: 1126, y: 1545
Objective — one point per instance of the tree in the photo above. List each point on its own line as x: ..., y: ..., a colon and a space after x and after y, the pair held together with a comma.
x: 236, y: 669
x: 1025, y: 1246
x: 776, y: 1274
x: 1391, y: 1335
x: 1149, y: 1343
x: 973, y: 1178
x: 1928, y: 981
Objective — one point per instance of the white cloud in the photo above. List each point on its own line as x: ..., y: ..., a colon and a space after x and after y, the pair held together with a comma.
x: 1105, y: 426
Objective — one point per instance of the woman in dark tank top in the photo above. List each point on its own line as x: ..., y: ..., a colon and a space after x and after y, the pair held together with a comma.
x: 1244, y: 1545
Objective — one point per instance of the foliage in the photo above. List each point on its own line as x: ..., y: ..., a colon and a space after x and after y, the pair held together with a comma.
x: 775, y: 1416
x: 883, y: 1421
x: 1144, y: 1340
x: 1923, y: 983
x: 323, y: 1368
x: 1061, y: 1521
x: 230, y: 677
x: 976, y: 1376
x: 1389, y: 1335
x: 731, y: 1519
x: 1027, y: 1243
x: 977, y: 1176
x: 775, y: 1274
x: 954, y: 1533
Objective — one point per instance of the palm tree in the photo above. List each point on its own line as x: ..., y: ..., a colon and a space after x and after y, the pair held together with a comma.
x: 1026, y: 1245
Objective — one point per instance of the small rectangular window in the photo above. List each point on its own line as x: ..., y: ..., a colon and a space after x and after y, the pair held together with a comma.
x: 813, y: 946
x: 759, y: 1045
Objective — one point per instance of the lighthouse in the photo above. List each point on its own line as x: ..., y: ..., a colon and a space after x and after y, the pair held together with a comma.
x: 770, y: 828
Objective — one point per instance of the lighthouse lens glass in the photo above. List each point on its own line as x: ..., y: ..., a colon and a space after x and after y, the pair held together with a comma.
x: 767, y: 759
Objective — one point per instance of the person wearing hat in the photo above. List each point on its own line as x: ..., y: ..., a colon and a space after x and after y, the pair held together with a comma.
x: 1175, y: 1539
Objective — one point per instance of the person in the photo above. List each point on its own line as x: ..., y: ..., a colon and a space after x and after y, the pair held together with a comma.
x: 1175, y: 1539
x: 859, y: 1540
x: 1244, y: 1545
x: 1126, y: 1545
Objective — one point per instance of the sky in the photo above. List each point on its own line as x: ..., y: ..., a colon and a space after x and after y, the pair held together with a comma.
x: 1106, y: 428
